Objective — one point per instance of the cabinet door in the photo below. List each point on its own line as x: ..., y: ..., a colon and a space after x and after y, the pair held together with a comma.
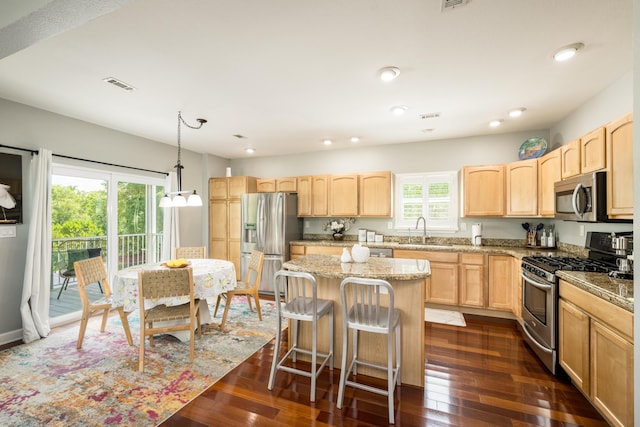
x: 442, y: 286
x: 484, y: 190
x: 593, y: 151
x: 611, y: 374
x: 235, y: 232
x: 472, y: 280
x: 549, y: 172
x: 343, y: 195
x: 319, y: 193
x: 287, y: 185
x: 218, y: 220
x: 217, y: 188
x: 619, y: 138
x: 522, y: 188
x: 324, y: 250
x: 374, y: 194
x: 239, y: 185
x: 500, y: 282
x: 573, y: 344
x: 266, y: 185
x: 297, y: 251
x: 304, y: 196
x: 570, y: 153
x: 517, y: 288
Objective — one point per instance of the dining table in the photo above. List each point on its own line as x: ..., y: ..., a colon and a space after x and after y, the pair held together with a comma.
x: 211, y: 277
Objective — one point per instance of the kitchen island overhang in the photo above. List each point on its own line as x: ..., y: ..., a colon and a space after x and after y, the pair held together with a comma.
x: 407, y: 277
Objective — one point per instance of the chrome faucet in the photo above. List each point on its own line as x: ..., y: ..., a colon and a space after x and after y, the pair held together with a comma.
x: 424, y: 228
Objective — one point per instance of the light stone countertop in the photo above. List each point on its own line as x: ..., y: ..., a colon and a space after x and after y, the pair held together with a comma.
x: 329, y: 266
x: 618, y: 292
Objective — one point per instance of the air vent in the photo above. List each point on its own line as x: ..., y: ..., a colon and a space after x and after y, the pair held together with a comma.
x: 237, y: 135
x: 452, y: 4
x: 119, y: 83
x: 430, y: 116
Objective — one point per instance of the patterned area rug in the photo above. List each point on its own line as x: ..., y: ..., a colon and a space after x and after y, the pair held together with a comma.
x: 50, y: 382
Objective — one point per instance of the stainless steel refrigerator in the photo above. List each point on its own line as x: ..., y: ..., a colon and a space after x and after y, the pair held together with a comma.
x: 269, y: 222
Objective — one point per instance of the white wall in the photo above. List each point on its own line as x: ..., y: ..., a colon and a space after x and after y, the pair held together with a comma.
x: 32, y: 128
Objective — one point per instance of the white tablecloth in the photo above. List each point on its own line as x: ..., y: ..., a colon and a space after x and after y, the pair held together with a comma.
x: 211, y: 277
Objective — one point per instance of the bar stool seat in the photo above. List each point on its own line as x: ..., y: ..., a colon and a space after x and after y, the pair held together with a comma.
x: 296, y: 297
x: 367, y: 314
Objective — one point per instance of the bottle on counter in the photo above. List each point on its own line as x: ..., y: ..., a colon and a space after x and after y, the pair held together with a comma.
x: 551, y: 239
x: 543, y: 238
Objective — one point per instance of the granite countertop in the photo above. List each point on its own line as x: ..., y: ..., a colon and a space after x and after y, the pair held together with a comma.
x: 329, y: 266
x: 515, y: 251
x: 618, y: 292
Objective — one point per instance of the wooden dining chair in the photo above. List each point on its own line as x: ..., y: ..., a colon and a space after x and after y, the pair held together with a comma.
x: 190, y: 252
x: 167, y: 283
x: 248, y: 287
x: 88, y: 271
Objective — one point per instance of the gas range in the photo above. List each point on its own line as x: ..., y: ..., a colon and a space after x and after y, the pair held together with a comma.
x: 546, y: 266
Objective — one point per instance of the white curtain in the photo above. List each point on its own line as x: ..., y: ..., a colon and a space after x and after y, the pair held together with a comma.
x: 171, y: 224
x: 34, y: 307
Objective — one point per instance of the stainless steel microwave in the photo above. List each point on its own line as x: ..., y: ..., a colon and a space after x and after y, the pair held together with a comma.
x: 582, y: 198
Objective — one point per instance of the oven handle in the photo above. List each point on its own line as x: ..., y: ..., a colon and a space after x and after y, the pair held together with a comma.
x: 536, y: 284
x: 534, y: 341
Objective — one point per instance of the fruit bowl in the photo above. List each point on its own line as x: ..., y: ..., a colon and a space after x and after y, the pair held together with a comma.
x: 177, y: 263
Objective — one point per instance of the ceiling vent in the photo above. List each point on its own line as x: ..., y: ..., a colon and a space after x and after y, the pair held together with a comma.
x: 452, y: 4
x: 429, y: 116
x: 237, y: 135
x: 119, y: 83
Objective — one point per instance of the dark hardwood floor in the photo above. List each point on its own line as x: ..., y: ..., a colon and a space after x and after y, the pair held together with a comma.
x: 479, y: 375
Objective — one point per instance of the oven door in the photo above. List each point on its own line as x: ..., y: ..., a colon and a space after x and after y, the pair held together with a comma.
x: 539, y: 310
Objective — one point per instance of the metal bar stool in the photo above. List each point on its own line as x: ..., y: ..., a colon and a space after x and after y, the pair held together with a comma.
x: 296, y: 299
x: 367, y: 314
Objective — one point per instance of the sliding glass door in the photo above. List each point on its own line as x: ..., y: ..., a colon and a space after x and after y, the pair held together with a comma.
x: 100, y: 213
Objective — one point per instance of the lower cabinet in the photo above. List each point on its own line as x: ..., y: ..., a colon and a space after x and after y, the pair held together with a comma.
x: 442, y: 286
x: 472, y: 280
x: 596, y: 350
x: 500, y: 282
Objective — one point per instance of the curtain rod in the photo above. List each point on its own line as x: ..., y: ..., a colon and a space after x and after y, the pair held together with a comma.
x: 85, y: 160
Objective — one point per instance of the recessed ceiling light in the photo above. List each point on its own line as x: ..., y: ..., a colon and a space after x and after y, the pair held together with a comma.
x: 399, y: 110
x: 389, y: 73
x: 517, y: 112
x: 327, y: 142
x: 250, y: 150
x: 355, y: 139
x: 495, y: 123
x: 567, y: 52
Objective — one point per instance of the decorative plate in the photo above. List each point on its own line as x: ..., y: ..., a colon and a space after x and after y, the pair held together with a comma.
x: 176, y: 265
x: 532, y: 148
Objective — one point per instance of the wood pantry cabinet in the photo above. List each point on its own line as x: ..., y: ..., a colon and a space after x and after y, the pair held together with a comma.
x: 522, y: 188
x: 549, y: 172
x: 225, y: 216
x: 374, y: 194
x: 484, y: 190
x: 596, y: 350
x: 619, y: 144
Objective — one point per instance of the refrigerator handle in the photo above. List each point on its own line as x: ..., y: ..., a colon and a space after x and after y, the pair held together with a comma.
x: 260, y: 223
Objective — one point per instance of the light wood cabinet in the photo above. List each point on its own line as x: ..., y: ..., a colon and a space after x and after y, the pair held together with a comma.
x: 374, y: 194
x: 619, y: 143
x: 516, y: 280
x: 287, y: 185
x: 225, y: 217
x: 522, y: 188
x: 442, y: 286
x: 266, y: 185
x: 297, y: 251
x: 593, y: 151
x: 472, y: 280
x: 319, y: 195
x: 573, y: 338
x: 484, y: 190
x: 343, y: 199
x: 324, y: 250
x: 570, y: 154
x: 500, y: 283
x: 549, y: 172
x: 304, y: 196
x: 596, y: 350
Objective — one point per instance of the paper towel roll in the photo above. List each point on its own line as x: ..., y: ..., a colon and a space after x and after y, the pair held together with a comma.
x: 476, y: 234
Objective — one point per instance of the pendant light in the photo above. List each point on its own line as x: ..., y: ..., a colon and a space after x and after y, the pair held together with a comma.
x: 179, y: 200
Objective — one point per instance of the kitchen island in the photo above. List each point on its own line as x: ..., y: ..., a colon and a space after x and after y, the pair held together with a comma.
x: 407, y: 277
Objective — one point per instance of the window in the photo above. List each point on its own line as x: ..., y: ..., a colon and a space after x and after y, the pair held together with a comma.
x: 433, y: 195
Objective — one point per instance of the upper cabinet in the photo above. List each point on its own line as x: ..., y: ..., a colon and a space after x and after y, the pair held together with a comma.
x: 484, y: 190
x: 319, y: 195
x: 592, y: 151
x: 343, y: 199
x: 522, y: 188
x: 619, y: 144
x: 570, y: 153
x: 266, y: 185
x: 549, y: 172
x: 272, y: 185
x: 304, y: 196
x: 374, y: 194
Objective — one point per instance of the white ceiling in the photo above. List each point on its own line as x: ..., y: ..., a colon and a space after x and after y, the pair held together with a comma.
x: 288, y: 73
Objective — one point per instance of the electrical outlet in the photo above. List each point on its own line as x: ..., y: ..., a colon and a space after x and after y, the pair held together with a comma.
x: 581, y: 232
x: 390, y: 225
x: 463, y: 226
